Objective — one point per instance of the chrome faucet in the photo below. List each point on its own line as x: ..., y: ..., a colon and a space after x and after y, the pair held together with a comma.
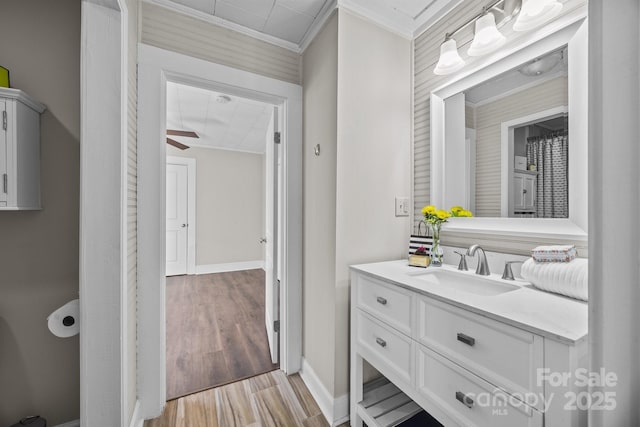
x: 483, y: 266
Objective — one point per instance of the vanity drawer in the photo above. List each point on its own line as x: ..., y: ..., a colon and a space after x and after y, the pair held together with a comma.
x: 390, y: 304
x: 383, y: 344
x: 467, y: 398
x: 506, y: 356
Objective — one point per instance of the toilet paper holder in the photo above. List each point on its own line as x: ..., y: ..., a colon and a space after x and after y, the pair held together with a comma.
x: 63, y: 322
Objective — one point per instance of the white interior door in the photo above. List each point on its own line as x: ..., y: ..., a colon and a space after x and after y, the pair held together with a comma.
x: 177, y: 219
x: 272, y: 288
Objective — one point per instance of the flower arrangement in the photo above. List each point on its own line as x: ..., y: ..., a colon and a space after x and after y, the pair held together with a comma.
x: 436, y: 217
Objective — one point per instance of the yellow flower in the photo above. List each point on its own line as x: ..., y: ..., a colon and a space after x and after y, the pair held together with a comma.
x: 456, y: 209
x: 442, y: 214
x: 465, y: 213
x: 428, y: 210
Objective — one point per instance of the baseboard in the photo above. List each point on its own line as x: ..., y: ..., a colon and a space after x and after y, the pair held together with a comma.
x: 136, y: 417
x: 74, y: 423
x: 230, y: 266
x: 335, y: 410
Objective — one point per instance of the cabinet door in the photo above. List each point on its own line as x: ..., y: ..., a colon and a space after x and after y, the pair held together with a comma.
x: 529, y: 193
x: 518, y: 194
x: 3, y: 153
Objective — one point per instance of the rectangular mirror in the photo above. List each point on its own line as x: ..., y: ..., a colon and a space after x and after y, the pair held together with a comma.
x: 509, y: 140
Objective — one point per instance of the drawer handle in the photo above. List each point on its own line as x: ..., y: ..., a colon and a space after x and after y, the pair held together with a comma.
x: 381, y: 300
x: 466, y: 339
x: 465, y: 400
x: 381, y: 342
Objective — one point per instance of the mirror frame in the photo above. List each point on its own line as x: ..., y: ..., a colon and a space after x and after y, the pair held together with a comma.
x: 570, y: 31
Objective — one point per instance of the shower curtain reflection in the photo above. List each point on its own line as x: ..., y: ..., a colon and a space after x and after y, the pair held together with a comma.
x: 549, y: 154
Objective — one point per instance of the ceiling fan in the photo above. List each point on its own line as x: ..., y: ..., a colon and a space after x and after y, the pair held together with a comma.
x: 185, y: 133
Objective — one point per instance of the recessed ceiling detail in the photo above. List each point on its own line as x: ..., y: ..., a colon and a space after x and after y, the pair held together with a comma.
x: 239, y: 124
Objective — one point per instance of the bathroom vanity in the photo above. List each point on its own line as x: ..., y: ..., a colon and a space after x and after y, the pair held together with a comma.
x: 468, y: 349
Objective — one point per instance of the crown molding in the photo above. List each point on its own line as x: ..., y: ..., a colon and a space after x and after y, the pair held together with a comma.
x: 184, y: 10
x: 396, y: 23
x: 318, y: 23
x: 436, y: 11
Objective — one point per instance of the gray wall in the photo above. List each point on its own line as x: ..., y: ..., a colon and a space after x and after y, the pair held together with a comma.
x: 230, y: 207
x: 39, y: 373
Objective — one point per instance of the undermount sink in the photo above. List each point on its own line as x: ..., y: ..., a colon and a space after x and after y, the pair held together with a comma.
x: 467, y: 282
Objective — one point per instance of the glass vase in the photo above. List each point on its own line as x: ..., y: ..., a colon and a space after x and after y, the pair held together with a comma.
x: 436, y: 250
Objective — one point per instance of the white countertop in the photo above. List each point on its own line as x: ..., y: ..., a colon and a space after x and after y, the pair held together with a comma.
x: 543, y: 313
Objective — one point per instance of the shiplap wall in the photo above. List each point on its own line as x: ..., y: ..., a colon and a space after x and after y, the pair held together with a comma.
x: 174, y: 31
x: 489, y: 117
x: 132, y: 204
x: 426, y: 54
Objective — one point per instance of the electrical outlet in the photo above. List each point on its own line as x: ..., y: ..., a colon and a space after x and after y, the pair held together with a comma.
x: 402, y: 206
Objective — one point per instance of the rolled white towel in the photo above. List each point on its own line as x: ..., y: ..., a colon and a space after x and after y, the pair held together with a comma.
x: 567, y: 278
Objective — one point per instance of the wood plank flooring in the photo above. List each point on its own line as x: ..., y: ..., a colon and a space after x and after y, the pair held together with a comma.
x: 215, y: 330
x: 269, y: 400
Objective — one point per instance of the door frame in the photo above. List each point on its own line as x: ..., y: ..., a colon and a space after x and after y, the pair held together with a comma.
x: 103, y: 285
x: 190, y: 163
x: 155, y: 67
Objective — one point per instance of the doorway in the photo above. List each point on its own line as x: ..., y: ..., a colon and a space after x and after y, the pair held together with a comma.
x: 156, y: 67
x: 222, y: 318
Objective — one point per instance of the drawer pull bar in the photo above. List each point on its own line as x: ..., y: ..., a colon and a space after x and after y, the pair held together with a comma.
x: 381, y: 300
x: 465, y: 400
x: 381, y: 342
x: 466, y: 339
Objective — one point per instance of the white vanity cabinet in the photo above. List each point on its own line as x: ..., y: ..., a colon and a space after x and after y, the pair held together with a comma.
x: 19, y: 150
x: 462, y: 367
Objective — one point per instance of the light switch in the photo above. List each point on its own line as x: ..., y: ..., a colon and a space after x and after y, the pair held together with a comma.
x: 402, y: 206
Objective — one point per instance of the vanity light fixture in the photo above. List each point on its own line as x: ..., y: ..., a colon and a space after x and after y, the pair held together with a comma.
x: 535, y: 13
x: 487, y: 37
x: 530, y: 14
x: 450, y: 60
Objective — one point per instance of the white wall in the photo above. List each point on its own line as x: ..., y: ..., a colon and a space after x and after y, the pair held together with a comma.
x: 320, y: 85
x: 358, y: 108
x: 230, y: 205
x: 373, y: 158
x: 614, y: 183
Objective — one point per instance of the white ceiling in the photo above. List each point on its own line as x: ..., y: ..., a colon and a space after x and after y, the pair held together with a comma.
x: 294, y: 23
x: 240, y: 124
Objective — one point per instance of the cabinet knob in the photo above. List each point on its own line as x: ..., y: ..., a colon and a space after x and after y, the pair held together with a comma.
x: 381, y: 300
x: 381, y: 342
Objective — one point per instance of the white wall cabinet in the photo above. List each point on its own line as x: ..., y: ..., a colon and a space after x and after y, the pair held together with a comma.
x: 463, y: 368
x: 19, y: 150
x: 524, y: 191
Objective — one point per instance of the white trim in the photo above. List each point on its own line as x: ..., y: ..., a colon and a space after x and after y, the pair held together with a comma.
x: 506, y: 149
x: 136, y: 417
x: 74, y: 423
x: 216, y: 20
x: 318, y: 24
x: 229, y: 266
x: 103, y: 214
x: 335, y: 411
x: 192, y: 236
x: 156, y: 67
x: 211, y: 147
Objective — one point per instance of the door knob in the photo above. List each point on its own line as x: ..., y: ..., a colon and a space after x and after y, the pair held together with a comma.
x: 183, y: 225
x: 263, y: 240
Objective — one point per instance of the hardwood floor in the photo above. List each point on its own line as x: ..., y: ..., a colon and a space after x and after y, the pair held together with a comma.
x: 268, y: 400
x: 215, y: 330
